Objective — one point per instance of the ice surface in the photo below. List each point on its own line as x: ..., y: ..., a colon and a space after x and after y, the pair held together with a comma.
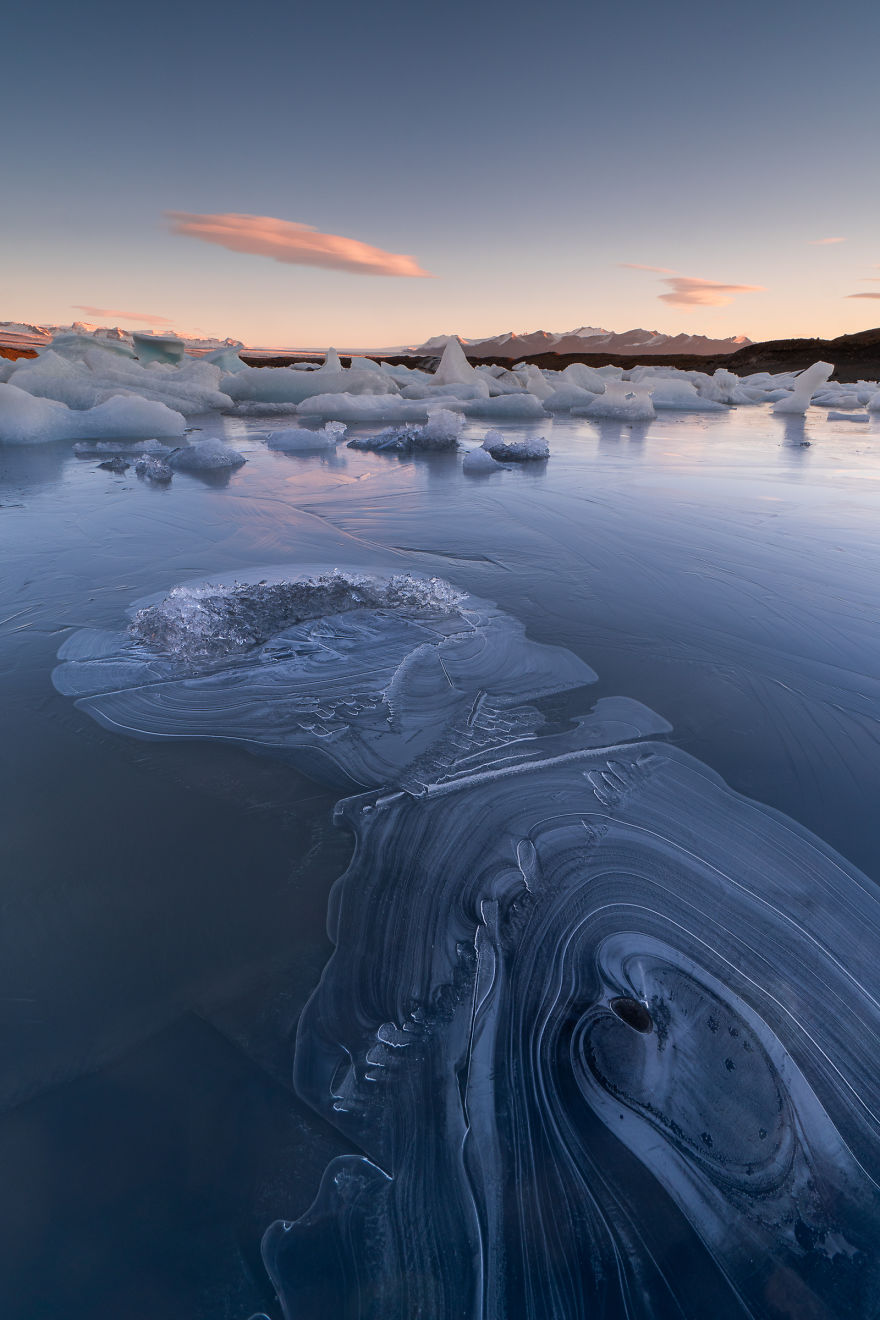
x: 589, y: 1011
x: 300, y: 440
x: 805, y: 386
x: 848, y: 417
x: 26, y: 419
x: 209, y: 455
x: 515, y: 451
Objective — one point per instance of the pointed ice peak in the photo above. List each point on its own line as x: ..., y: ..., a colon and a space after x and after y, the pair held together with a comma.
x: 454, y: 368
x: 331, y: 361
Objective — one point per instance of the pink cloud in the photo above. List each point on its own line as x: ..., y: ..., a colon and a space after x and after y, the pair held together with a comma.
x: 106, y: 313
x: 685, y: 291
x: 635, y: 265
x: 825, y: 242
x: 863, y: 295
x: 289, y: 241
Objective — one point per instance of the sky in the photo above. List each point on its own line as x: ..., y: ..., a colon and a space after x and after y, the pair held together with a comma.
x: 371, y: 175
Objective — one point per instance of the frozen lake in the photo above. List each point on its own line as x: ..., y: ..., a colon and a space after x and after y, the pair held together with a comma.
x: 165, y: 902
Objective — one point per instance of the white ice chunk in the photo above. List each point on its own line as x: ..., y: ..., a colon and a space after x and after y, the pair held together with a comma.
x: 363, y: 408
x: 622, y: 400
x: 478, y: 388
x: 287, y: 385
x: 507, y: 408
x: 227, y: 359
x: 480, y: 460
x: 588, y: 378
x: 515, y: 451
x: 568, y: 397
x: 669, y: 392
x: 534, y: 380
x: 805, y: 386
x: 209, y: 455
x: 300, y: 440
x: 874, y: 403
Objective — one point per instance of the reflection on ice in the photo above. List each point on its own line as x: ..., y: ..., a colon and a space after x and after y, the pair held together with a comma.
x: 602, y: 1031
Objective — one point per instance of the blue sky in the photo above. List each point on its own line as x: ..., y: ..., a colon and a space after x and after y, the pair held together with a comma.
x: 520, y: 155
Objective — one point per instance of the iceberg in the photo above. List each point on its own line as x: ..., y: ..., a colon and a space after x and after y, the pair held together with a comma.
x: 26, y: 419
x: 454, y: 368
x: 805, y: 386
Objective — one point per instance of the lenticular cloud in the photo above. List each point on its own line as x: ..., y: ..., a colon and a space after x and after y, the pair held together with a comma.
x: 295, y: 243
x: 685, y: 291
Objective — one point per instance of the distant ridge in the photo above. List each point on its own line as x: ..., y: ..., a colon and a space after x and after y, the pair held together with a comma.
x: 587, y: 339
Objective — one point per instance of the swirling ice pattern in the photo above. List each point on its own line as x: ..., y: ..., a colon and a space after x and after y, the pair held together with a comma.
x: 604, y: 1032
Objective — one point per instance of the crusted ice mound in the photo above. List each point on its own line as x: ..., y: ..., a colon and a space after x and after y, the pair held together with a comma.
x: 364, y: 678
x: 441, y: 432
x: 515, y: 451
x: 208, y: 455
x: 210, y: 620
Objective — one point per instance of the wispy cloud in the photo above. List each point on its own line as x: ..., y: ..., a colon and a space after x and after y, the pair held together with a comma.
x: 825, y: 242
x: 863, y: 295
x: 289, y: 241
x: 106, y: 313
x: 636, y: 265
x: 686, y: 291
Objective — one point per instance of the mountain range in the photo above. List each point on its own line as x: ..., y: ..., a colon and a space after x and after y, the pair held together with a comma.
x: 586, y: 339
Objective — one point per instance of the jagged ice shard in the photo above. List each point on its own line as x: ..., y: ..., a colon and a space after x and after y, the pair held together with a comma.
x: 602, y: 1033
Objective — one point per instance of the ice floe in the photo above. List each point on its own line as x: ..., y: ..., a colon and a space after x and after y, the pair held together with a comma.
x: 575, y: 977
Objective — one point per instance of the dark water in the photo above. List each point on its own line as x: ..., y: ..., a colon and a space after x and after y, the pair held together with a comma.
x: 164, y: 904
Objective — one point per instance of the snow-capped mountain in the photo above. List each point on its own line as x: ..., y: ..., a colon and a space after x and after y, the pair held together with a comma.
x: 587, y: 339
x: 22, y: 335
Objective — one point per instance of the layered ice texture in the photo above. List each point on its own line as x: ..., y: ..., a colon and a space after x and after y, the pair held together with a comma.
x: 82, y: 373
x: 595, y: 1025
